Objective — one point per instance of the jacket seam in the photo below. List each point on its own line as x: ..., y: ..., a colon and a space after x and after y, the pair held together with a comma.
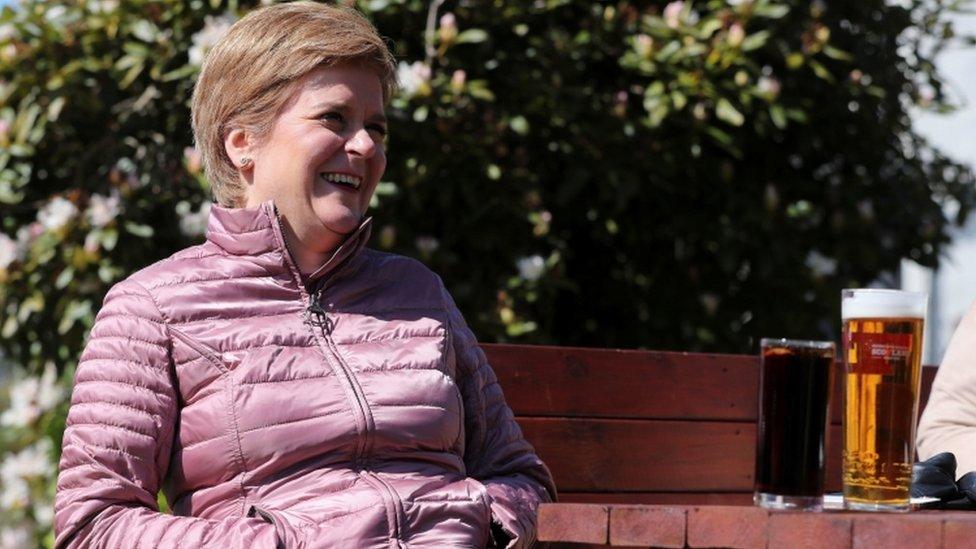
x: 289, y: 421
x: 263, y: 274
x: 232, y: 319
x: 129, y: 338
x: 290, y: 379
x: 237, y: 438
x: 89, y: 358
x: 125, y: 428
x: 171, y: 372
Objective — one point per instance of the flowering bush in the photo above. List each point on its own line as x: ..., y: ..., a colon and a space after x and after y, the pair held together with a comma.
x: 31, y: 425
x: 614, y: 173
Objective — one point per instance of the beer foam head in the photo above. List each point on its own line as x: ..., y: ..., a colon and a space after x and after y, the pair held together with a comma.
x: 872, y: 303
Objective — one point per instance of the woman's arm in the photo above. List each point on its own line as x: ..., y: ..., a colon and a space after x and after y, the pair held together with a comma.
x: 118, y: 438
x: 495, y: 453
x: 949, y: 421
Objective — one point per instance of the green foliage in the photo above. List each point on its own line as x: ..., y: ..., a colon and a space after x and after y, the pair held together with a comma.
x: 608, y: 173
x: 613, y: 173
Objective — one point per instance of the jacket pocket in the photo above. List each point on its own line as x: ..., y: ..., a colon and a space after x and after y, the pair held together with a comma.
x: 286, y: 532
x: 202, y: 349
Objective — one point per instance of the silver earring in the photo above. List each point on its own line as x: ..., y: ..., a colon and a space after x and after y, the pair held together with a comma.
x: 246, y: 161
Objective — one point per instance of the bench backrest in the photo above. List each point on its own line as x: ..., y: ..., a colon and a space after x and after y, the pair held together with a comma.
x: 646, y: 426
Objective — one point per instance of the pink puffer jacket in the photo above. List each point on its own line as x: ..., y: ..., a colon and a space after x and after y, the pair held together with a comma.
x: 362, y: 415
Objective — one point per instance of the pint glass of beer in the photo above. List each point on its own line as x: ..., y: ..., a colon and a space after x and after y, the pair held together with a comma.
x: 794, y: 392
x: 883, y: 356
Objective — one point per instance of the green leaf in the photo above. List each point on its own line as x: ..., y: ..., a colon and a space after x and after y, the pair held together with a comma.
x: 65, y: 278
x: 471, y: 36
x: 420, y: 113
x: 725, y: 111
x: 835, y: 53
x: 771, y: 11
x: 109, y: 237
x: 143, y: 231
x: 519, y: 125
x: 479, y: 90
x: 755, y: 41
x: 778, y: 115
x: 820, y: 70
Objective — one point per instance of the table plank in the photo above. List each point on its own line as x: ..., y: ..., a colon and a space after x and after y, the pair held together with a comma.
x: 809, y: 530
x: 574, y: 523
x: 648, y: 526
x: 726, y: 526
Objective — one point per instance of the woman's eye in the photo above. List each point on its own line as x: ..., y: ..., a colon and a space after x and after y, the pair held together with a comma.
x: 377, y: 129
x: 332, y: 117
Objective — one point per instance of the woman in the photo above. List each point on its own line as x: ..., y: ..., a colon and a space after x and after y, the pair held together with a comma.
x: 283, y: 385
x: 948, y: 423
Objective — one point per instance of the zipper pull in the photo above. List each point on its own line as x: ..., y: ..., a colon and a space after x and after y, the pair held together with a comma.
x: 319, y: 317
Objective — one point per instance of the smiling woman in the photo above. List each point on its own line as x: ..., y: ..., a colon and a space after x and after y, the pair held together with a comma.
x: 284, y: 385
x: 321, y: 161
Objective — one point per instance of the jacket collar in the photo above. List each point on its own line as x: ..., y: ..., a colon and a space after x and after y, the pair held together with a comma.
x: 257, y: 230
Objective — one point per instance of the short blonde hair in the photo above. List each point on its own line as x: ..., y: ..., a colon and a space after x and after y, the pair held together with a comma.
x: 252, y: 71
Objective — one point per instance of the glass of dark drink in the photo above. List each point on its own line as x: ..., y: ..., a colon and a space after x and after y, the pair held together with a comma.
x: 794, y: 392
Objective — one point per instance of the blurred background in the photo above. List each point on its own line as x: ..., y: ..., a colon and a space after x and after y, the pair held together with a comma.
x: 665, y: 175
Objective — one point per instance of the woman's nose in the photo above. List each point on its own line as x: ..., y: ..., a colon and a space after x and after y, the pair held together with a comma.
x: 361, y: 143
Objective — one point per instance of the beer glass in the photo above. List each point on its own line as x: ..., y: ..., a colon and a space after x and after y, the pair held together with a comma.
x: 883, y: 357
x: 794, y: 392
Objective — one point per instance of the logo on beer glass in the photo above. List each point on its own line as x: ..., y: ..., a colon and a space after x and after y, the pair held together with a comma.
x: 877, y: 353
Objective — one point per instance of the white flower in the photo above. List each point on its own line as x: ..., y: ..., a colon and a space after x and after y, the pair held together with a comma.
x: 820, y: 264
x: 427, y: 244
x: 448, y: 21
x: 102, y: 210
x: 7, y: 31
x: 30, y: 463
x: 26, y: 236
x: 767, y: 85
x: 56, y: 213
x: 457, y: 81
x: 672, y: 13
x: 31, y: 397
x: 49, y: 393
x: 16, y: 537
x: 15, y: 494
x: 531, y: 268
x: 193, y: 224
x: 214, y: 28
x: 9, y: 251
x: 54, y: 13
x: 736, y: 35
x: 44, y: 513
x: 413, y: 77
x: 103, y: 6
x: 644, y: 45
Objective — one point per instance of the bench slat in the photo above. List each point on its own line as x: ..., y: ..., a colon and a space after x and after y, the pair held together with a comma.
x: 567, y: 381
x: 621, y: 456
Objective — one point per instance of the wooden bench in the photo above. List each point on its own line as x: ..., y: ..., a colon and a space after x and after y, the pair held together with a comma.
x: 620, y: 426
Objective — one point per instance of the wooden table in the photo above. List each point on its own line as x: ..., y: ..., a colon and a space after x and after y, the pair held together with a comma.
x: 749, y: 527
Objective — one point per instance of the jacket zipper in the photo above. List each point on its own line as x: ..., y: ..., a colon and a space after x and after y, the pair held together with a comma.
x: 317, y: 317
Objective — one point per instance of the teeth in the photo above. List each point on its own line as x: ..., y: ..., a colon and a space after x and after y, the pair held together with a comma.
x: 350, y: 180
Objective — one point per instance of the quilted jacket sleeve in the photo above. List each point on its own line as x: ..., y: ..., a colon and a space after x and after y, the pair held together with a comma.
x: 495, y: 453
x: 117, y: 442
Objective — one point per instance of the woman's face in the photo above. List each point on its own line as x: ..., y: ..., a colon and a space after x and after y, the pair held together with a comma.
x: 324, y: 155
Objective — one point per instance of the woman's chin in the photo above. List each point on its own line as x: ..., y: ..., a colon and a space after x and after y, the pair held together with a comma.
x: 341, y: 223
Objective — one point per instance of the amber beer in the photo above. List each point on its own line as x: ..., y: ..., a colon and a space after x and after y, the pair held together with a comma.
x: 883, y: 356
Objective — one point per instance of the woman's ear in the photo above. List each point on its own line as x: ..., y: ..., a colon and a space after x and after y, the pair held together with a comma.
x: 239, y: 146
